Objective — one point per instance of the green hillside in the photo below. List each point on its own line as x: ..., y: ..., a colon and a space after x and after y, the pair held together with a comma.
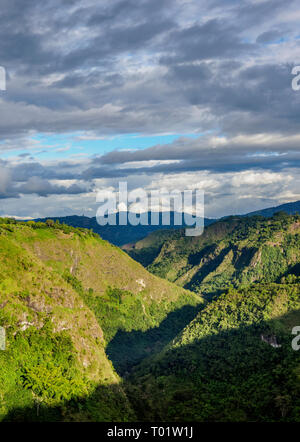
x: 65, y: 294
x: 233, y: 362
x: 235, y: 251
x: 93, y: 336
x: 147, y: 249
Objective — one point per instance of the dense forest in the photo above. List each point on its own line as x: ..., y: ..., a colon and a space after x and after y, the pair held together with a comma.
x: 233, y: 362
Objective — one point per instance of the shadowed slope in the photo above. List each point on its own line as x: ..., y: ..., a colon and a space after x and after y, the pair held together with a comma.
x: 222, y: 366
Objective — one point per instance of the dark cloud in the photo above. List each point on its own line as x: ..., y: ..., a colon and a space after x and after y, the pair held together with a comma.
x: 69, y: 61
x: 269, y: 36
x: 213, y: 39
x: 41, y: 187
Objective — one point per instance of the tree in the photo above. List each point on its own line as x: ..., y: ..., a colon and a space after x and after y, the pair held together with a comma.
x: 50, y: 223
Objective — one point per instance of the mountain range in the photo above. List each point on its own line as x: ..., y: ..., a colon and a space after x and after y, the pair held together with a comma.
x: 122, y: 235
x: 119, y: 234
x: 290, y: 208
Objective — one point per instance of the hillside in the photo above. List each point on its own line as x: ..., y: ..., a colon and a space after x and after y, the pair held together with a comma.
x: 65, y: 296
x: 234, y: 362
x: 236, y: 251
x: 93, y: 336
x: 147, y: 248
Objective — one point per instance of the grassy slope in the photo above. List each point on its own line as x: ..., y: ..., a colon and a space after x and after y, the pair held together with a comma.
x: 49, y: 277
x: 120, y: 290
x: 51, y: 334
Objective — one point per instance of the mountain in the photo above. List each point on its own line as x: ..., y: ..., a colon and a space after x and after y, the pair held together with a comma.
x: 234, y: 362
x: 65, y: 295
x: 235, y: 250
x: 119, y: 235
x: 123, y: 235
x: 147, y: 248
x: 289, y: 208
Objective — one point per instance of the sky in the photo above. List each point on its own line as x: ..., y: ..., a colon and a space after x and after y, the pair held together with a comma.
x: 162, y: 94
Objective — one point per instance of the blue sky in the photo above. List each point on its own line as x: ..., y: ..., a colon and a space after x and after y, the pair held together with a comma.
x: 66, y: 145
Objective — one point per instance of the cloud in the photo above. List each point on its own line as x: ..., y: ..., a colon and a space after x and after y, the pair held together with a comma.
x: 5, y: 180
x: 218, y: 70
x: 41, y: 187
x: 114, y: 67
x: 269, y: 36
x: 17, y: 180
x: 215, y: 153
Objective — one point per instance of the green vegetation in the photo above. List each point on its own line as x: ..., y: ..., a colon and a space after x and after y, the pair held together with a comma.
x: 220, y: 369
x: 235, y: 251
x: 65, y: 293
x: 39, y: 367
x: 132, y: 327
x: 76, y: 309
x: 147, y: 249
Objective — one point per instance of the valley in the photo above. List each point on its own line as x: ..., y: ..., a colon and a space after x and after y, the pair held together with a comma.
x: 93, y: 335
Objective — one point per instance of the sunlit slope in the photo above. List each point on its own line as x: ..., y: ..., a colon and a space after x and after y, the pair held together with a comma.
x: 64, y: 294
x: 54, y: 346
x: 129, y: 296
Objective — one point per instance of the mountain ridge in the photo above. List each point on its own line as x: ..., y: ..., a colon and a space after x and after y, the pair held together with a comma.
x: 289, y: 208
x: 235, y: 250
x: 123, y: 235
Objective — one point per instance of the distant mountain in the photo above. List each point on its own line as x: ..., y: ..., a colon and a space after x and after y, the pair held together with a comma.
x: 122, y: 235
x: 147, y: 249
x: 289, y: 208
x: 119, y: 235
